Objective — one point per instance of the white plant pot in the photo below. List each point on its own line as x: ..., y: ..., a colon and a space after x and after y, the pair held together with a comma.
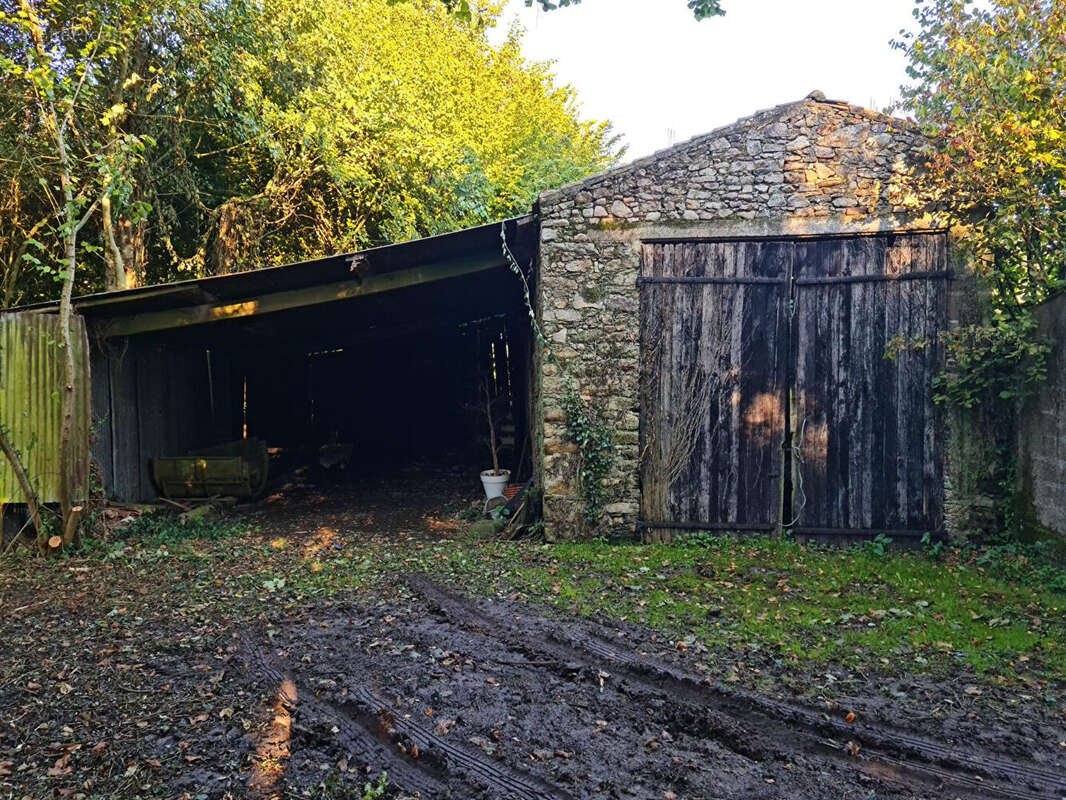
x: 494, y: 483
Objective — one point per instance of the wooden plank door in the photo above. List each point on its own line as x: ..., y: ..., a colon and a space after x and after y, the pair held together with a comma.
x: 869, y: 454
x: 713, y: 377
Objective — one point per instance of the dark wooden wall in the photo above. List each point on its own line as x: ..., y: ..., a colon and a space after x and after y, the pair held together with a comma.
x: 151, y: 400
x: 771, y: 341
x: 407, y: 398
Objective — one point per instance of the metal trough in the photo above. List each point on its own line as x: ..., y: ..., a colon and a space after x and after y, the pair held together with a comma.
x: 237, y: 469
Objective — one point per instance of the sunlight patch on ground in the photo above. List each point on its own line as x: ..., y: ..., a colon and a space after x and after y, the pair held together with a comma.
x: 272, y: 749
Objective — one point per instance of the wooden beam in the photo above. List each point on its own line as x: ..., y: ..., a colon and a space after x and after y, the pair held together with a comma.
x: 293, y: 298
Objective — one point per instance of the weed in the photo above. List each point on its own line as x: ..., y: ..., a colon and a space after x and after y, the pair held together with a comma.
x: 931, y: 548
x: 376, y: 790
x: 161, y: 527
x: 879, y: 545
x: 1029, y: 564
x: 698, y: 539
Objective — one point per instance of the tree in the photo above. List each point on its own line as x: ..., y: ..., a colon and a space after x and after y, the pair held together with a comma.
x: 988, y: 92
x: 283, y: 130
x: 701, y: 9
x: 365, y: 123
x: 70, y: 141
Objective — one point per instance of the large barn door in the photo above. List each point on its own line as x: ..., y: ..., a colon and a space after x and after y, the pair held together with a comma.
x: 713, y: 363
x: 868, y: 312
x: 838, y: 336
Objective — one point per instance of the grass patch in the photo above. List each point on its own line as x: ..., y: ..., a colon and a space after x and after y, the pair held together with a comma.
x: 811, y: 606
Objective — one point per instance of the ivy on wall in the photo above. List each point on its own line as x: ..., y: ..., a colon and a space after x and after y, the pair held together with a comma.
x: 994, y: 363
x: 585, y: 425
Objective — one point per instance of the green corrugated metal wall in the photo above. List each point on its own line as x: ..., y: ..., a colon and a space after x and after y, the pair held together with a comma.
x: 31, y: 382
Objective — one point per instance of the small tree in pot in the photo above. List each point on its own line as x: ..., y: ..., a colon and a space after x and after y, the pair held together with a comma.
x: 492, y: 479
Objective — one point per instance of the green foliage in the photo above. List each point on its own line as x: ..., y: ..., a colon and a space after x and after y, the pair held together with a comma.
x: 161, y: 527
x: 701, y: 9
x: 698, y: 539
x: 992, y: 364
x: 879, y: 545
x: 73, y: 162
x: 988, y: 91
x: 376, y: 790
x: 595, y: 440
x: 282, y: 130
x: 1025, y: 563
x: 931, y: 548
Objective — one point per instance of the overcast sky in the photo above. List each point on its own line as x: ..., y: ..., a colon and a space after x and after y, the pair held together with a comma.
x: 661, y: 77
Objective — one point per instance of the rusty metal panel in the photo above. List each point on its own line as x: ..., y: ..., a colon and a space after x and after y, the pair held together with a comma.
x: 31, y: 384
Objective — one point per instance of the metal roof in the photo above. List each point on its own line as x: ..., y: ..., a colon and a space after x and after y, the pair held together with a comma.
x: 483, y: 240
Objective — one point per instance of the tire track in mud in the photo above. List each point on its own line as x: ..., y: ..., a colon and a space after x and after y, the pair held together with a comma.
x: 756, y: 727
x: 416, y: 759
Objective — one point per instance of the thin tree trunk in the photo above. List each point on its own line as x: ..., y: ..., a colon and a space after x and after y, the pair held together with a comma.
x: 492, y: 430
x: 27, y: 489
x: 116, y: 278
x: 71, y: 227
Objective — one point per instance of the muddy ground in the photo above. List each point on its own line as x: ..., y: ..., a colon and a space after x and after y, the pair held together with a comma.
x: 453, y: 699
x: 458, y: 700
x: 175, y: 675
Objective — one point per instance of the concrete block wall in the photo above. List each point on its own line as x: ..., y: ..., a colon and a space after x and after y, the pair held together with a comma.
x: 1042, y: 430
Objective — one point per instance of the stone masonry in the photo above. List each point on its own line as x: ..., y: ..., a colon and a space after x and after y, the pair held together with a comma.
x: 810, y: 167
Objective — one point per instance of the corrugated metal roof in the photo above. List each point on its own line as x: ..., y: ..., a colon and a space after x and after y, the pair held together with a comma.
x: 31, y: 383
x: 241, y: 285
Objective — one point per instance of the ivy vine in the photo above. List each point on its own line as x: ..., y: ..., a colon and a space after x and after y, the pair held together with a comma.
x: 584, y: 425
x: 994, y: 363
x: 596, y: 444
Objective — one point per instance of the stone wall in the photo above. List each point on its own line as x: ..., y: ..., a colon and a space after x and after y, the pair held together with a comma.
x: 1042, y: 430
x: 810, y: 167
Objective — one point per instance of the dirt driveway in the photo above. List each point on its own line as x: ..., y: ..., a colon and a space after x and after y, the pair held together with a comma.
x: 459, y: 700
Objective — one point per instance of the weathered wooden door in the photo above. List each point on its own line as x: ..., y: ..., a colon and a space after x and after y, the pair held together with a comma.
x: 714, y: 353
x: 832, y: 342
x: 868, y: 313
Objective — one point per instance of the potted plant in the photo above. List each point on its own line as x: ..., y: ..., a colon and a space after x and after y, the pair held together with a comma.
x: 493, y: 480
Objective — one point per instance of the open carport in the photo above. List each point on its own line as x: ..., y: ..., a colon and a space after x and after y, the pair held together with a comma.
x: 362, y: 364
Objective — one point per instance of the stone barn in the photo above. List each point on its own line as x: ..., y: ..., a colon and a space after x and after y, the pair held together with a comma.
x: 755, y: 314
x: 748, y: 320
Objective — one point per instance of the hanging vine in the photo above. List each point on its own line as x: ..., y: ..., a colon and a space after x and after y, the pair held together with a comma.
x: 584, y: 425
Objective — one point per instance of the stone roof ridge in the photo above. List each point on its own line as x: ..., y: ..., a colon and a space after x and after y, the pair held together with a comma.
x: 814, y: 98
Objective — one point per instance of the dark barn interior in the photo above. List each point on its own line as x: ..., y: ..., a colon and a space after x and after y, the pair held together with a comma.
x: 391, y: 377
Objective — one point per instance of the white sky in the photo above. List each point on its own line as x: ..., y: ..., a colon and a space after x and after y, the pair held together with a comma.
x: 651, y: 69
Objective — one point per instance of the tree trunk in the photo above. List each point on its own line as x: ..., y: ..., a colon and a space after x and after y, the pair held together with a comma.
x: 66, y: 472
x: 116, y: 264
x: 27, y: 489
x: 132, y: 242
